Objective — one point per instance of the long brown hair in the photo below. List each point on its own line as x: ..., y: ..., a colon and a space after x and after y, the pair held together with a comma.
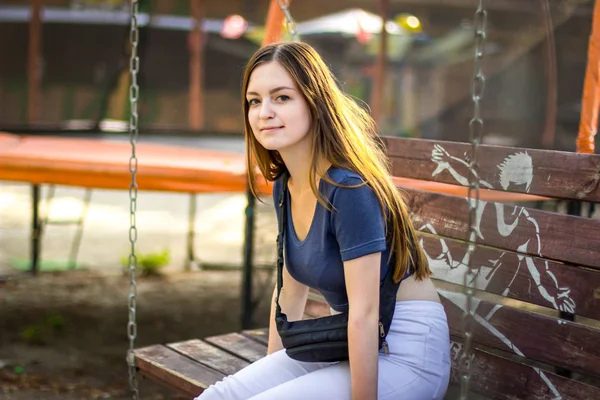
x: 344, y: 134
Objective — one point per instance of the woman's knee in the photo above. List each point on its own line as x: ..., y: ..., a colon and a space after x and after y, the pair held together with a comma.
x: 331, y: 382
x: 258, y: 377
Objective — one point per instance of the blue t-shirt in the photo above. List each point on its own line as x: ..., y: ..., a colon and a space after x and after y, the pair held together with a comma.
x: 353, y: 227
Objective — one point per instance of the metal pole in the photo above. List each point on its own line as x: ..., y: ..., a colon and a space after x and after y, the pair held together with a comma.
x: 247, y: 303
x: 191, y: 258
x: 35, y: 228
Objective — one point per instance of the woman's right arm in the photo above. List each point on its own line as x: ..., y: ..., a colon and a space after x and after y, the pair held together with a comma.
x: 292, y: 301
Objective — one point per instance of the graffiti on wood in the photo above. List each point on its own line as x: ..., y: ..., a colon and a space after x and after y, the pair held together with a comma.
x: 516, y: 169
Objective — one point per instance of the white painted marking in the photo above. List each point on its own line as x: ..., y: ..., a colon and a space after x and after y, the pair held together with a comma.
x: 460, y: 300
x: 518, y: 169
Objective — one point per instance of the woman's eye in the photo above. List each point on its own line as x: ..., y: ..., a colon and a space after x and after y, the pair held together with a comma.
x: 252, y: 102
x: 283, y: 97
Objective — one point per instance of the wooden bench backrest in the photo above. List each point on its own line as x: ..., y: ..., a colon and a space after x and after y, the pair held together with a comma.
x: 530, y: 264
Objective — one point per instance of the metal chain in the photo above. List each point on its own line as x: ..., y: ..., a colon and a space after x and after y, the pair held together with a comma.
x: 290, y: 24
x: 475, y: 137
x: 134, y: 90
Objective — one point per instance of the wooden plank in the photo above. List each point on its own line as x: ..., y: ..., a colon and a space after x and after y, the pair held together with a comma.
x: 174, y: 370
x: 528, y: 335
x: 259, y: 335
x: 239, y: 345
x: 210, y: 356
x: 538, y: 172
x: 501, y: 379
x: 538, y: 233
x: 562, y: 286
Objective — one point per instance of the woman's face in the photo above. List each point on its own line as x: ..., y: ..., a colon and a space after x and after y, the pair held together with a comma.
x: 277, y: 111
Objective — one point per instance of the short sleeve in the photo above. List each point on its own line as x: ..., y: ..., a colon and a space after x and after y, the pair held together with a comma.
x: 357, y: 220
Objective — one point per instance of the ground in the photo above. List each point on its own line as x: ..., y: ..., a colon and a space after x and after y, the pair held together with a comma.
x: 66, y: 331
x: 63, y: 335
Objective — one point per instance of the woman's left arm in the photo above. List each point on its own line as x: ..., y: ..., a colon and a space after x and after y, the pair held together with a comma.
x: 362, y: 276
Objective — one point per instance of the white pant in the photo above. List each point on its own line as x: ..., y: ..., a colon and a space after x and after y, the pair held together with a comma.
x: 417, y: 367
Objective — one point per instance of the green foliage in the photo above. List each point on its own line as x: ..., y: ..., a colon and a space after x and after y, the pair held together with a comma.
x: 43, y: 333
x: 150, y: 263
x: 55, y: 321
x: 32, y: 334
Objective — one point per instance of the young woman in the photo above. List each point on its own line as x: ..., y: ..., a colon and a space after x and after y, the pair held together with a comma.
x: 347, y: 226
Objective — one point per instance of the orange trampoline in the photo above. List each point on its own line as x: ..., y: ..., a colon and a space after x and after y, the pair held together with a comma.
x: 103, y: 164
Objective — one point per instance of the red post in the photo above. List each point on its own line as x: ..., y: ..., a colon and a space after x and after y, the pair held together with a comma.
x: 378, y: 92
x: 196, y: 44
x: 35, y: 66
x: 590, y: 103
x: 273, y: 24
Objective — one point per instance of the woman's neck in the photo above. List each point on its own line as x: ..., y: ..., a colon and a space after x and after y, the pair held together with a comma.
x: 298, y: 165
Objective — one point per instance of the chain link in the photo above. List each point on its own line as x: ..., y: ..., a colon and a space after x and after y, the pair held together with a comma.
x: 475, y: 137
x: 134, y: 90
x: 290, y: 24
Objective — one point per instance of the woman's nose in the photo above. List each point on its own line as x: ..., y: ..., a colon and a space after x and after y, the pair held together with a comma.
x: 266, y: 110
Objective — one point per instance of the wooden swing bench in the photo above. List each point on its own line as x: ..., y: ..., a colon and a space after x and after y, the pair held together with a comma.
x: 536, y: 328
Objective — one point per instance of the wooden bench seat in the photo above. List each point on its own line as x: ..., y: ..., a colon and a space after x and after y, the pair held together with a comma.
x: 190, y: 366
x: 536, y: 324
